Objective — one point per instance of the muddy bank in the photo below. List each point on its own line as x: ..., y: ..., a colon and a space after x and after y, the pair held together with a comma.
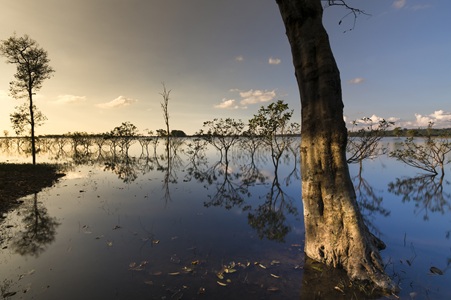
x: 19, y: 180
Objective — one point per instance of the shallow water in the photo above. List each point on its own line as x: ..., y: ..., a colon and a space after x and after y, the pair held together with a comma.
x: 144, y: 226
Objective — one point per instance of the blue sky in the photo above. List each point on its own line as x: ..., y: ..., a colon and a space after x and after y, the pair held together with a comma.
x: 223, y: 58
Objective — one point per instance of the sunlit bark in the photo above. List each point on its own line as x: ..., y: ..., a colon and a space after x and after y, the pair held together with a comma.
x: 335, y: 232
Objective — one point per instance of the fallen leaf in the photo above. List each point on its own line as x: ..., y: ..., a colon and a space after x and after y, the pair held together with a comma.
x: 261, y: 266
x: 221, y: 283
x: 174, y: 273
x: 229, y: 270
x: 273, y: 289
x: 274, y: 275
x: 436, y: 271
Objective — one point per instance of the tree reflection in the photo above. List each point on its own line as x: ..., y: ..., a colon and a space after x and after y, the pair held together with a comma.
x: 269, y: 219
x: 38, y: 231
x: 426, y: 191
x: 125, y: 167
x: 369, y: 202
x: 234, y: 186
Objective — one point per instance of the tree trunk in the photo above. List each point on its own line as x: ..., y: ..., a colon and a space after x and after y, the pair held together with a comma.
x: 335, y: 233
x: 33, y: 139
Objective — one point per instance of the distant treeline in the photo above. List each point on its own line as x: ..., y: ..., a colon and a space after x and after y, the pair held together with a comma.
x: 396, y: 132
x: 404, y: 132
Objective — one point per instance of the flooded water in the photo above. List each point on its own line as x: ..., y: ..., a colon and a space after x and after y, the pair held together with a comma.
x: 137, y: 223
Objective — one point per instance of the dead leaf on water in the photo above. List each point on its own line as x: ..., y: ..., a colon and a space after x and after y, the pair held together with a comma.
x: 273, y: 289
x: 275, y: 276
x: 174, y: 273
x: 262, y: 266
x: 227, y: 270
x: 109, y: 243
x: 221, y: 283
x: 436, y: 271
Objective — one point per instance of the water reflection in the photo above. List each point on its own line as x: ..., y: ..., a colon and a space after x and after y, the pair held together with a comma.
x: 251, y: 197
x: 426, y: 191
x: 38, y: 229
x: 370, y: 203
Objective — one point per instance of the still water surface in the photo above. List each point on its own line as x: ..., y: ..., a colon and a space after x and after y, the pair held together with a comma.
x: 137, y: 225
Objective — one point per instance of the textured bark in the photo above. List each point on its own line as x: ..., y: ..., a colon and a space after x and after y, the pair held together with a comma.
x: 335, y: 233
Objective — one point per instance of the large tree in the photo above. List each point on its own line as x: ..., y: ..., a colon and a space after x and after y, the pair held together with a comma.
x: 33, y: 68
x: 335, y: 233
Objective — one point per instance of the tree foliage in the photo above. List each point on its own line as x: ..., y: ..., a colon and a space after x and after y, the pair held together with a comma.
x: 364, y: 142
x: 427, y: 156
x: 272, y: 124
x: 222, y: 133
x: 32, y: 68
x: 20, y: 119
x: 31, y: 62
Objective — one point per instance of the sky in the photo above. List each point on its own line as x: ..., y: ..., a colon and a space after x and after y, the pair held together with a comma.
x: 223, y: 58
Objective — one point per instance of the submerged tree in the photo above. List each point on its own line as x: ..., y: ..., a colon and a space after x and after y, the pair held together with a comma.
x: 222, y: 134
x: 364, y: 142
x: 426, y: 156
x: 335, y: 232
x: 165, y: 107
x: 32, y: 69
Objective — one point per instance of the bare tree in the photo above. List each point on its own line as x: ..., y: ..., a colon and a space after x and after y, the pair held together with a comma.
x: 335, y: 232
x: 164, y: 107
x: 32, y: 69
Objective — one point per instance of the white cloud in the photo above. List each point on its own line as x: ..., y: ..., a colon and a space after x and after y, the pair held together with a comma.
x: 257, y: 96
x: 274, y: 61
x: 398, y: 4
x: 227, y: 104
x: 239, y: 58
x: 120, y: 101
x: 70, y: 99
x: 247, y: 97
x: 441, y: 115
x: 357, y: 80
x: 440, y: 119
